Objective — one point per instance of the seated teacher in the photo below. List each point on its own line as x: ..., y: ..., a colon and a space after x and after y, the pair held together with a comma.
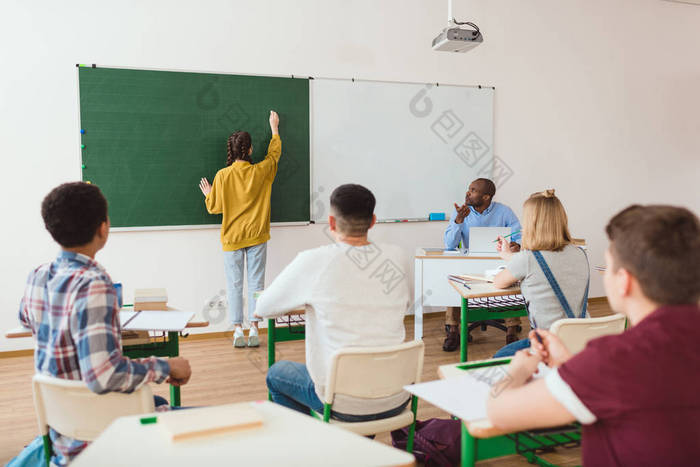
x: 478, y: 210
x: 546, y: 244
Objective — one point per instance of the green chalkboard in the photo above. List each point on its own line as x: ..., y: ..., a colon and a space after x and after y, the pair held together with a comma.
x: 149, y: 136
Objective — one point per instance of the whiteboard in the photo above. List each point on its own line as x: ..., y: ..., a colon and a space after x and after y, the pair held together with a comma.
x: 416, y: 146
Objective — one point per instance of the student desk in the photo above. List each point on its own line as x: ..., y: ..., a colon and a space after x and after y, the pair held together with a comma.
x: 430, y: 273
x: 286, y: 438
x: 161, y: 346
x: 487, y: 302
x: 291, y: 328
x: 481, y: 440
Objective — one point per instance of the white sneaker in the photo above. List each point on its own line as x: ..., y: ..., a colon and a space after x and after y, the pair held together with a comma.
x: 253, y: 340
x: 238, y: 337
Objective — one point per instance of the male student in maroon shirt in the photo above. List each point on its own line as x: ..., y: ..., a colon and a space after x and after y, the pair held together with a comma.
x: 637, y: 393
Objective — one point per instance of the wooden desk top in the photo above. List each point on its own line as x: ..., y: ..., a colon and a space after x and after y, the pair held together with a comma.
x: 285, y: 438
x: 421, y: 254
x: 479, y: 428
x: 21, y: 331
x: 483, y: 289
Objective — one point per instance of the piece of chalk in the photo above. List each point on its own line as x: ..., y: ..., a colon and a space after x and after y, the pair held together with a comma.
x: 82, y: 131
x: 89, y: 182
x: 148, y: 420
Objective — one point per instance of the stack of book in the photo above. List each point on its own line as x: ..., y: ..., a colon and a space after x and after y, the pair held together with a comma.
x: 150, y: 299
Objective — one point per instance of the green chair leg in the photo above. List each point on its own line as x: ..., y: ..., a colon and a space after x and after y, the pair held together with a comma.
x: 47, y: 449
x: 412, y: 429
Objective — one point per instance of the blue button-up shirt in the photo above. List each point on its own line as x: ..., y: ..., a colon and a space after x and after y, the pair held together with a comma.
x: 496, y: 215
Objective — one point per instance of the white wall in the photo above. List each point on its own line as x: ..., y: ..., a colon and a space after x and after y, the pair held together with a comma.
x: 598, y: 99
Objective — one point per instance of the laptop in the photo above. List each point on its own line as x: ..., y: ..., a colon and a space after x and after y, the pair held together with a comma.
x: 481, y: 240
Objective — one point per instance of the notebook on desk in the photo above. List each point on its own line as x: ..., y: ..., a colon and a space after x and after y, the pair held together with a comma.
x: 207, y: 421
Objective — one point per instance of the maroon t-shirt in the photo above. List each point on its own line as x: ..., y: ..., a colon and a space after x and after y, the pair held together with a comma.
x: 643, y: 386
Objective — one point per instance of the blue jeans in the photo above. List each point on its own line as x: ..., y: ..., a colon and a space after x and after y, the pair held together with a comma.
x: 290, y: 385
x: 510, y: 349
x: 255, y: 256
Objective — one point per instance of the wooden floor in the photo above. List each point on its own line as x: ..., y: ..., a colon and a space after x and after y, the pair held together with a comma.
x: 222, y: 374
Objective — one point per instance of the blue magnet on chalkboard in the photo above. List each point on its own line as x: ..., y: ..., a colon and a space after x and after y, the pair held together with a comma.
x: 436, y: 216
x: 82, y: 132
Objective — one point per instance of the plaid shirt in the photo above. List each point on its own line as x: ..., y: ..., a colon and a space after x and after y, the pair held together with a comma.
x: 71, y: 307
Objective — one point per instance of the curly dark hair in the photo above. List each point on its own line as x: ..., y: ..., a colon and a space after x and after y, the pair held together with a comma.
x: 237, y: 147
x: 73, y: 212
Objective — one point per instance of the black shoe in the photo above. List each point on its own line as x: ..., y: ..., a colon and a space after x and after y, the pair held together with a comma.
x: 452, y: 340
x: 512, y: 334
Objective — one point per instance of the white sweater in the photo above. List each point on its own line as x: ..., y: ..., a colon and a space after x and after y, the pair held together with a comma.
x: 353, y: 296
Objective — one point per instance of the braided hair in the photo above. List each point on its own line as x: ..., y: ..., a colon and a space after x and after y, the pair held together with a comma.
x: 237, y: 148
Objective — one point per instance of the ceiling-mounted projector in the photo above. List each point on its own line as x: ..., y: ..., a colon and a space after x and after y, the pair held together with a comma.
x: 455, y: 38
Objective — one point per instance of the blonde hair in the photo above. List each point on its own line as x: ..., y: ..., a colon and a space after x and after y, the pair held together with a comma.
x: 545, y: 224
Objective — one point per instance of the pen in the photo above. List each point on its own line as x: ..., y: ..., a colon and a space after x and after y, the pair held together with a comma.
x: 459, y: 281
x: 506, y: 236
x: 539, y: 338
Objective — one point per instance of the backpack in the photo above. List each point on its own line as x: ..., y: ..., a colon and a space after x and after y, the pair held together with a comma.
x: 437, y: 442
x: 31, y: 456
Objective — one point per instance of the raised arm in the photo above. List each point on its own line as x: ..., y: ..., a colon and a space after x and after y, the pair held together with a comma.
x: 274, y: 149
x: 212, y: 195
x: 453, y: 232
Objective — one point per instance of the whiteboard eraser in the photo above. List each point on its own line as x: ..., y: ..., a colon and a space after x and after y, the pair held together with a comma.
x: 436, y: 216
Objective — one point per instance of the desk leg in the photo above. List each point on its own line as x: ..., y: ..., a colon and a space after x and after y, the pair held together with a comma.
x: 270, y: 342
x: 174, y: 343
x: 418, y: 300
x: 270, y: 347
x: 468, y: 447
x: 463, y: 331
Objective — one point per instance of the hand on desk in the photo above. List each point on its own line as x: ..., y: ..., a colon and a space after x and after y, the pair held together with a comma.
x: 522, y: 367
x: 180, y: 371
x: 552, y: 350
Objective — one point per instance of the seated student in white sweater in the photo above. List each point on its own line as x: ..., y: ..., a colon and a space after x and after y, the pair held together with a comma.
x: 355, y: 293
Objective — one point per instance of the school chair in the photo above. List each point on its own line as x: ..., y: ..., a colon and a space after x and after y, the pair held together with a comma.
x: 372, y: 373
x: 576, y: 332
x: 73, y: 410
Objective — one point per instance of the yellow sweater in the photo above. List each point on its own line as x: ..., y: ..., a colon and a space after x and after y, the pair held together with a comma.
x: 241, y: 192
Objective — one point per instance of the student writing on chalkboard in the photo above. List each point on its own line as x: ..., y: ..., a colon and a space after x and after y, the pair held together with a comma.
x: 241, y: 192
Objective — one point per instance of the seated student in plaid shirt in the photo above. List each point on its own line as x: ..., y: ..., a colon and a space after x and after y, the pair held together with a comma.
x: 71, y: 307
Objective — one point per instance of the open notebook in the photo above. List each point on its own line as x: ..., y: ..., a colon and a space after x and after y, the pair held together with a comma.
x: 465, y: 396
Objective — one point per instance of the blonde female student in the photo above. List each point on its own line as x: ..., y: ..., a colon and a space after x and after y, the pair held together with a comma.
x: 553, y: 273
x: 241, y: 191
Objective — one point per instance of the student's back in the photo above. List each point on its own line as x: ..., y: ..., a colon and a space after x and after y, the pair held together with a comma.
x: 570, y: 269
x: 355, y: 293
x: 358, y: 297
x: 642, y: 387
x: 354, y: 296
x: 71, y: 307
